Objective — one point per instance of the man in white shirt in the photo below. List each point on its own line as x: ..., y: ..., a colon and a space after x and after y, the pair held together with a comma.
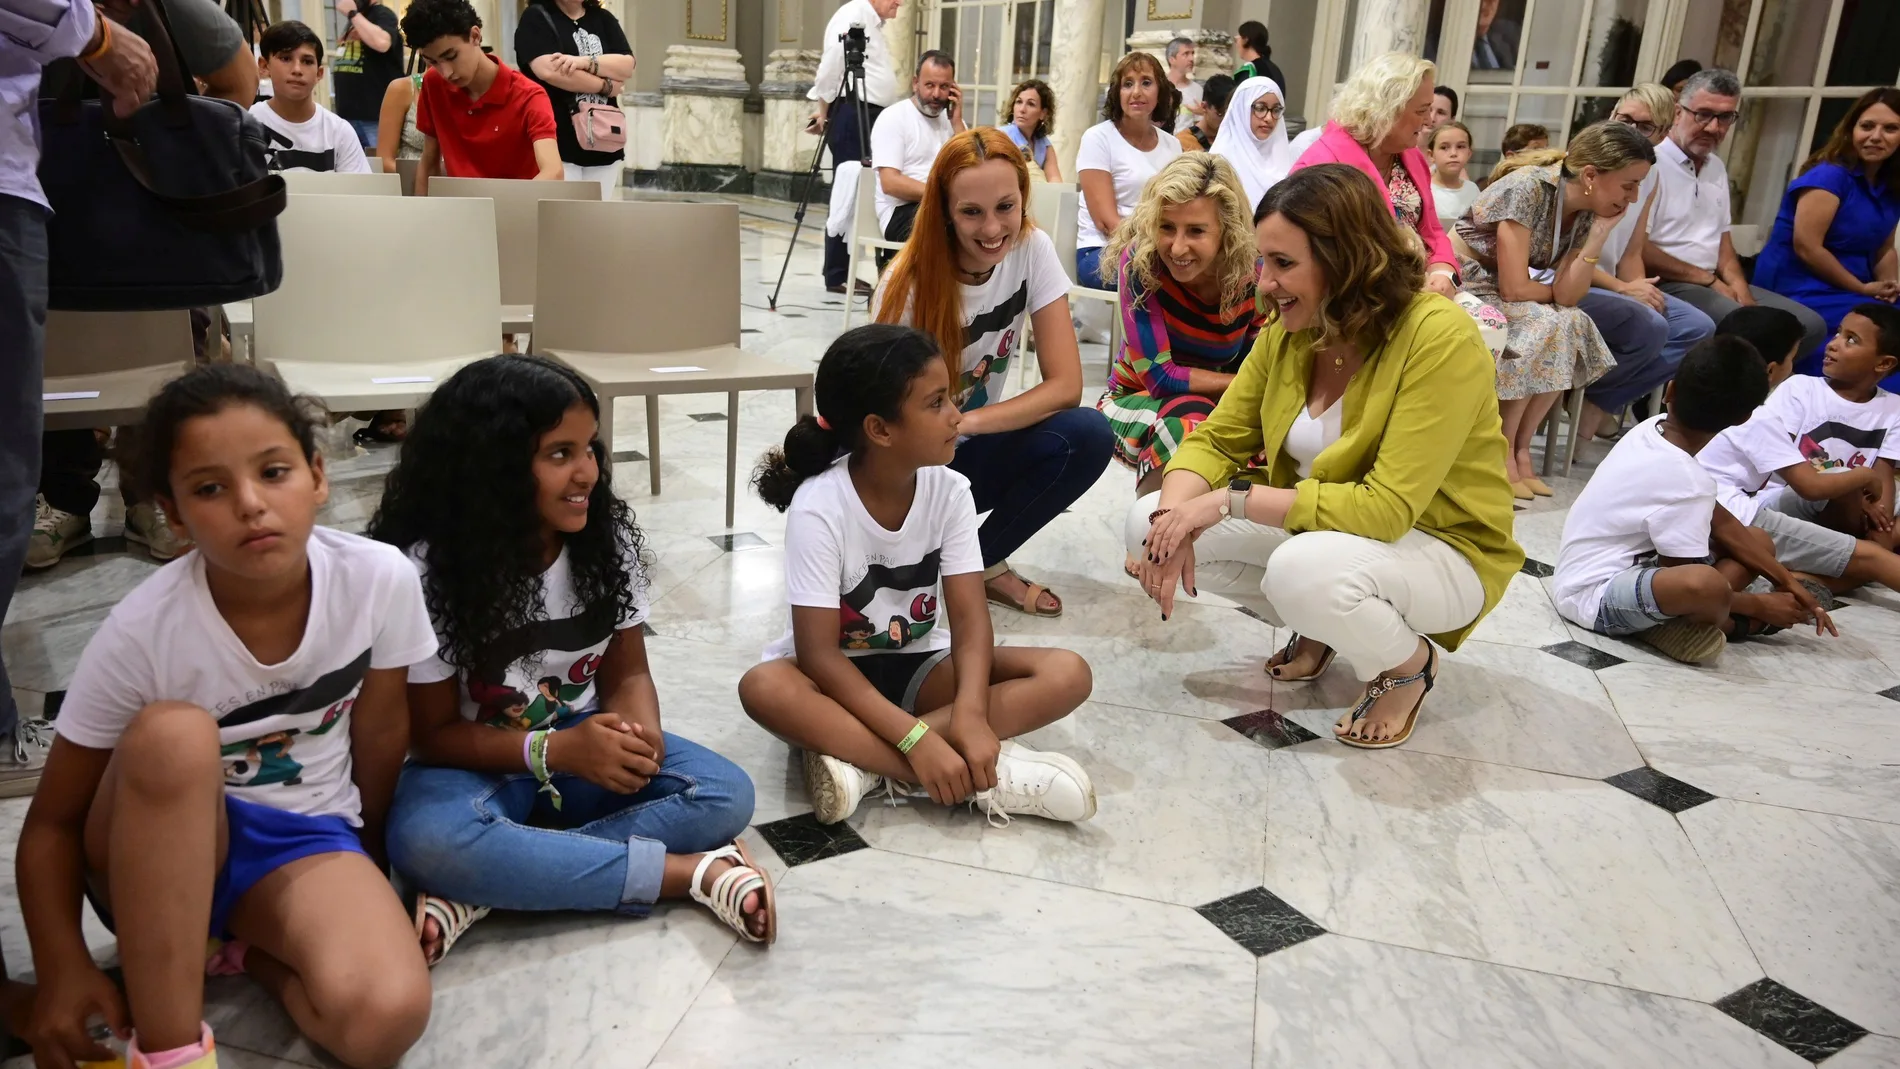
x: 305, y: 134
x: 1688, y: 245
x: 837, y: 115
x: 905, y: 143
x: 1181, y: 56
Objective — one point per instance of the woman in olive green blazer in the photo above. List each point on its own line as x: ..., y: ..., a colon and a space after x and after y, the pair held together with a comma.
x: 1351, y: 483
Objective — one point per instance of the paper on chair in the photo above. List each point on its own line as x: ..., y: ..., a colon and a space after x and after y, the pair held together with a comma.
x: 394, y: 379
x: 72, y: 395
x: 673, y: 370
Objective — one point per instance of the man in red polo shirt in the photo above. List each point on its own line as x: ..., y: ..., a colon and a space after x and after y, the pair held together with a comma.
x: 479, y: 117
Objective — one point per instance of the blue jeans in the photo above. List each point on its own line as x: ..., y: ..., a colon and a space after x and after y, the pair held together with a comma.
x: 365, y: 131
x: 496, y: 840
x: 1025, y: 478
x: 1088, y: 269
x: 1648, y: 346
x: 22, y: 338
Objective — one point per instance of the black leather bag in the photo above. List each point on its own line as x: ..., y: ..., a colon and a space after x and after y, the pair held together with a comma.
x: 169, y: 208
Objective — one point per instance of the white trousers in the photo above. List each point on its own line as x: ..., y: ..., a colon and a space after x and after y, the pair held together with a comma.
x: 608, y: 176
x: 1367, y: 599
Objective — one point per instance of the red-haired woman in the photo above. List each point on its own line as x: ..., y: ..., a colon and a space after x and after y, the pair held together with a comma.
x: 973, y: 271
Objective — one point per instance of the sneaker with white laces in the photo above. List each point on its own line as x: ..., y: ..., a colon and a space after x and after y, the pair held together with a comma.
x: 145, y: 524
x: 836, y: 786
x: 1036, y: 784
x: 55, y: 534
x: 22, y: 755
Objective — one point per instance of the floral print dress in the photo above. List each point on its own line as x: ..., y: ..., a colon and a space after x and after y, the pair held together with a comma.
x: 1408, y: 207
x: 1550, y: 347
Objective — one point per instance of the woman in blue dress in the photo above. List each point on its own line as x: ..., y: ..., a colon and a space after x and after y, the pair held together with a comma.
x: 1029, y: 118
x: 1832, y: 246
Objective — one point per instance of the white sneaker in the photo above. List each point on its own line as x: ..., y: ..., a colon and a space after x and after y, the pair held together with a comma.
x: 22, y: 756
x: 146, y: 525
x: 836, y: 786
x: 55, y: 534
x: 1036, y: 784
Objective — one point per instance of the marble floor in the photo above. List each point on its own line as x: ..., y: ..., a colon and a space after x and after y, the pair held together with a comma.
x: 1587, y: 855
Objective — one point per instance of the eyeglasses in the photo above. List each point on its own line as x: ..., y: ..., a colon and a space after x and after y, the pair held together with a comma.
x: 1275, y: 110
x: 1713, y: 118
x: 1647, y: 129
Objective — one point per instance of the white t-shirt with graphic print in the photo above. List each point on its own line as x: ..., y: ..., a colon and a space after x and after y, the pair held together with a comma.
x: 886, y: 585
x: 285, y: 727
x: 1029, y: 279
x: 543, y: 671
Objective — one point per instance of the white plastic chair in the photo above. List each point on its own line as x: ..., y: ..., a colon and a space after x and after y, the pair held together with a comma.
x: 373, y: 184
x: 1054, y: 206
x: 102, y: 367
x: 517, y: 204
x: 863, y: 217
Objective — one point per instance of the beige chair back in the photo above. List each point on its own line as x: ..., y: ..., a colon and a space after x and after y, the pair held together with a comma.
x: 658, y: 277
x: 372, y: 184
x: 516, y: 222
x: 406, y: 170
x: 375, y: 163
x: 1052, y: 206
x: 108, y: 364
x: 439, y: 299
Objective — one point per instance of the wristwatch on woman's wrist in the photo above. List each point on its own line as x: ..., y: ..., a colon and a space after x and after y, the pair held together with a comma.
x: 1235, y: 505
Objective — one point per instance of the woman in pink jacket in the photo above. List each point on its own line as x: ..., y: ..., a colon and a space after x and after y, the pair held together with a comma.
x: 1376, y: 118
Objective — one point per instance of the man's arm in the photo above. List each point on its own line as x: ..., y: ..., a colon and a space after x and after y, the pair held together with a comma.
x: 896, y: 184
x: 50, y: 29
x: 374, y: 37
x: 1729, y: 267
x: 1670, y: 269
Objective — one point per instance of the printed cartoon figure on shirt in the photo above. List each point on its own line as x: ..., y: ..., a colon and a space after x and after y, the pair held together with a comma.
x: 904, y: 597
x: 513, y: 704
x: 256, y: 737
x: 1835, y: 446
x: 973, y: 386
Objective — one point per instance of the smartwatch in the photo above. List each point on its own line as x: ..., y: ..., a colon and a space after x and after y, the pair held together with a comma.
x: 1235, y: 507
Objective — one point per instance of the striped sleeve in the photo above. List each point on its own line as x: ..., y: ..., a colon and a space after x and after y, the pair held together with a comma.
x: 1145, y: 347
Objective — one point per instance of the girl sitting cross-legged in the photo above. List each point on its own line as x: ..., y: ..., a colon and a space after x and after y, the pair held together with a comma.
x: 542, y: 778
x: 880, y: 546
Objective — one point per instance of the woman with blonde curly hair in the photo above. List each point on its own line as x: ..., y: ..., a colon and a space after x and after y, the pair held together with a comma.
x: 1189, y: 310
x: 1029, y: 118
x: 974, y: 272
x: 1377, y: 512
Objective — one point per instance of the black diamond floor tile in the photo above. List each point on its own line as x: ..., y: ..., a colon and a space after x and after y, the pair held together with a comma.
x: 100, y: 547
x: 793, y: 315
x: 1791, y: 1019
x: 801, y: 839
x: 1245, y: 611
x: 706, y: 417
x: 750, y: 330
x: 54, y: 699
x: 1890, y: 692
x: 1588, y: 656
x: 1259, y: 921
x: 1658, y: 789
x: 742, y: 540
x: 1537, y: 568
x: 647, y: 629
x: 1269, y: 729
x: 629, y: 455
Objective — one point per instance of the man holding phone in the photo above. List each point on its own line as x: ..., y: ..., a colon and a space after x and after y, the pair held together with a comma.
x: 905, y: 143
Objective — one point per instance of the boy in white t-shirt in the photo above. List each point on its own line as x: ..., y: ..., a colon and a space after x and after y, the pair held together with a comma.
x: 905, y: 142
x: 305, y: 134
x: 1637, y: 547
x: 1765, y: 480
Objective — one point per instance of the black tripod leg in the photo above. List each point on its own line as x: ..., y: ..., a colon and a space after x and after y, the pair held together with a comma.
x: 798, y: 221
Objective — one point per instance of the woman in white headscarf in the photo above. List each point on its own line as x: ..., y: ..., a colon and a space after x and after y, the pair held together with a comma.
x: 1253, y: 139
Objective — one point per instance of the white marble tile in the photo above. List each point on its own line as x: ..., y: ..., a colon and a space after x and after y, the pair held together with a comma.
x: 1334, y: 1001
x: 1870, y: 1052
x: 1181, y: 808
x: 1818, y: 898
x: 885, y: 960
x: 1525, y: 616
x: 1792, y: 744
x: 698, y: 684
x: 737, y: 600
x: 1540, y: 533
x: 1506, y: 865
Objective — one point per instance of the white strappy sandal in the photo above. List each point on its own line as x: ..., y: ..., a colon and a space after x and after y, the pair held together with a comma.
x: 451, y: 920
x: 727, y: 900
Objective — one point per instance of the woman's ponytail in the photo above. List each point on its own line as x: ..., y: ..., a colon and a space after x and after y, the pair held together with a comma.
x: 810, y: 447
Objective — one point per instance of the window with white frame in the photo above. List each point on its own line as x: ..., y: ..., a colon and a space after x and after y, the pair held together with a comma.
x: 996, y: 44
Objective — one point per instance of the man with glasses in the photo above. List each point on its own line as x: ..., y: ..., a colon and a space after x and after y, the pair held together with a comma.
x: 1689, y: 246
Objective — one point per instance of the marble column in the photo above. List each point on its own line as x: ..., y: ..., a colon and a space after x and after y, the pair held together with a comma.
x: 1213, y: 49
x: 900, y: 36
x: 703, y: 147
x: 788, y: 148
x: 1075, y: 61
x: 1388, y: 26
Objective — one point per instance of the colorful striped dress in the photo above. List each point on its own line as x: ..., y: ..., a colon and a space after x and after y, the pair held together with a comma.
x: 1166, y: 334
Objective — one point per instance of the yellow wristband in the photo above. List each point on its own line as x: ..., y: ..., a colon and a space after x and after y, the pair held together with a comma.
x: 1589, y: 259
x: 105, y: 41
x: 916, y: 734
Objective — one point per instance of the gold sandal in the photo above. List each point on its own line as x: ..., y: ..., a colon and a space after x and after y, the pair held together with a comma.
x: 1031, y: 605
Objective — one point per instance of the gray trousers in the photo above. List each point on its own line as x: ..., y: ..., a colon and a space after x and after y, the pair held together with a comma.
x: 1813, y: 327
x: 22, y: 333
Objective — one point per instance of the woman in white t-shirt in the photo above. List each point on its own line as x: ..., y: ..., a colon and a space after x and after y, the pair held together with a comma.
x: 543, y: 779
x: 1119, y: 155
x: 888, y: 673
x: 226, y: 753
x: 973, y: 273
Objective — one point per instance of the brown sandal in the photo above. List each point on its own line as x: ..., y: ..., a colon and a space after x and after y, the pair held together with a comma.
x: 1031, y: 605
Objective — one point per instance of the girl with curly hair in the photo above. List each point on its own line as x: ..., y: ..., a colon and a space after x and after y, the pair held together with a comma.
x: 534, y: 573
x: 1382, y: 514
x: 1189, y: 309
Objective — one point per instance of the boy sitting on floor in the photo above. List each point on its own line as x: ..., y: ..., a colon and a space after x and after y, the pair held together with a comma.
x: 306, y: 134
x: 1636, y: 556
x: 1745, y: 458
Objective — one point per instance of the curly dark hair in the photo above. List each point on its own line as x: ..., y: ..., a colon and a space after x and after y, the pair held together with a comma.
x: 428, y: 21
x: 465, y: 489
x: 206, y: 391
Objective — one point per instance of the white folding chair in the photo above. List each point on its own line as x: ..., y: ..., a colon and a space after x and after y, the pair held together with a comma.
x: 345, y: 329
x: 374, y: 184
x: 863, y: 219
x: 102, y: 367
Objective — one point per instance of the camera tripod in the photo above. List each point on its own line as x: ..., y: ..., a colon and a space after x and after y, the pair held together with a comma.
x: 851, y: 85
